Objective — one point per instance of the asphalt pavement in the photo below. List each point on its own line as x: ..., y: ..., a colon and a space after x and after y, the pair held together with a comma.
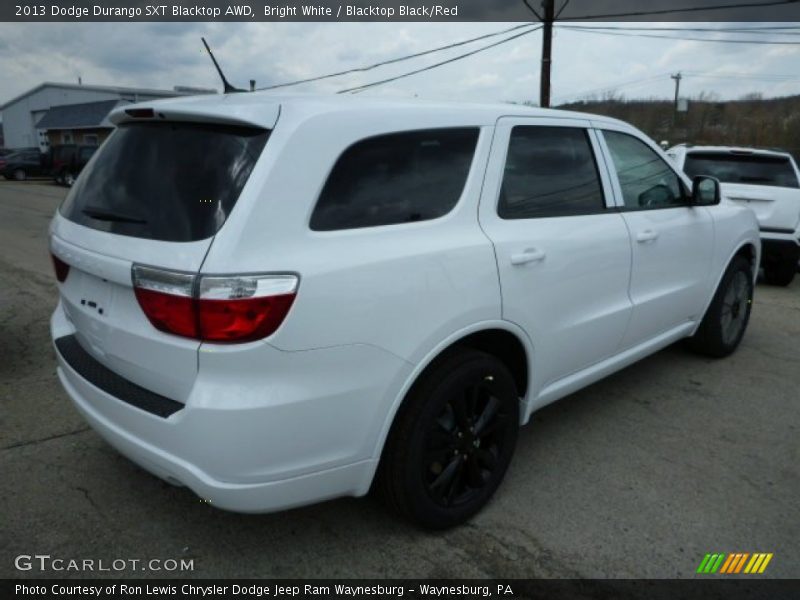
x: 637, y: 476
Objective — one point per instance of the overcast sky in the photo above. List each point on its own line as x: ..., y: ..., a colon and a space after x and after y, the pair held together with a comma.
x: 161, y: 55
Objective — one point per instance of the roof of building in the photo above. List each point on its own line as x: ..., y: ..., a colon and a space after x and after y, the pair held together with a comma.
x: 106, y: 88
x: 78, y: 116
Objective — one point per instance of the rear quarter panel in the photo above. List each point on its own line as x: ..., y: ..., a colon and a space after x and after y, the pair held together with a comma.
x: 402, y: 288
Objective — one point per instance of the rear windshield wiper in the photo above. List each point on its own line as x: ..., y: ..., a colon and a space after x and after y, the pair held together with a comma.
x: 102, y: 214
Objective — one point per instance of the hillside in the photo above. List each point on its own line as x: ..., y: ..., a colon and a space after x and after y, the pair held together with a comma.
x: 750, y: 121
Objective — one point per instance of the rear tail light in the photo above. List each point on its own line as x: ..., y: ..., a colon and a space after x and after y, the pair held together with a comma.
x: 227, y: 308
x: 61, y: 268
x: 167, y: 298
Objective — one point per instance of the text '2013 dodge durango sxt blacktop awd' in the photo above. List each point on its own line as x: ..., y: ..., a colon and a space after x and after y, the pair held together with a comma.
x: 279, y: 300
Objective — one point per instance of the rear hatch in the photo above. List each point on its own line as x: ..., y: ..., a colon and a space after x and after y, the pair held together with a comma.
x: 767, y: 183
x: 154, y: 194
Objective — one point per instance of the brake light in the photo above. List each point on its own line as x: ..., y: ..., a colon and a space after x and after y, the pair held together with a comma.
x: 140, y: 113
x: 61, y: 268
x: 228, y: 308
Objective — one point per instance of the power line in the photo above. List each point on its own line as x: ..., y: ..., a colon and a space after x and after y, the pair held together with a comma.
x: 395, y: 60
x: 750, y: 30
x: 681, y: 10
x: 533, y: 10
x: 361, y: 88
x: 618, y: 86
x: 683, y: 38
x: 764, y: 77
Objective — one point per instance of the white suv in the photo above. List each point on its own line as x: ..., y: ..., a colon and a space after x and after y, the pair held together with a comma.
x: 277, y: 300
x: 766, y: 181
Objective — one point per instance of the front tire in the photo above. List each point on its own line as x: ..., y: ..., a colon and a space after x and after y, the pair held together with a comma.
x: 452, y: 440
x: 726, y: 319
x: 19, y: 175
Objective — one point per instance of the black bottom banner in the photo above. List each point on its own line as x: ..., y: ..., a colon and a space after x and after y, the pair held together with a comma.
x: 589, y: 589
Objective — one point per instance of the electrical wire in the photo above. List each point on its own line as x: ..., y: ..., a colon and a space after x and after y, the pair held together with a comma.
x: 681, y: 10
x: 360, y: 88
x: 750, y: 30
x: 394, y: 60
x: 764, y: 77
x: 612, y: 88
x: 560, y: 10
x: 533, y: 10
x: 683, y: 38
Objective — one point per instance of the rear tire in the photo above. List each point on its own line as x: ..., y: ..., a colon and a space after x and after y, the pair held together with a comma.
x: 452, y: 440
x: 725, y: 321
x: 69, y: 179
x: 780, y: 273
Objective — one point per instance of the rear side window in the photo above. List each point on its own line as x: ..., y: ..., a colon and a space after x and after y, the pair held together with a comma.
x: 738, y: 168
x: 396, y: 178
x: 173, y: 182
x: 549, y: 172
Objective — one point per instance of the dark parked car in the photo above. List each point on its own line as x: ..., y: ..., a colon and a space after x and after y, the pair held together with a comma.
x: 24, y: 164
x: 68, y: 161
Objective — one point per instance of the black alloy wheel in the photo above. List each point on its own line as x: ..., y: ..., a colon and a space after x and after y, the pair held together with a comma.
x: 452, y: 440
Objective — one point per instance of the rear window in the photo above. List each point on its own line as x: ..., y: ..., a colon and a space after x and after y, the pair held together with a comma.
x: 173, y: 182
x: 739, y: 168
x: 396, y: 178
x: 63, y: 152
x: 86, y: 153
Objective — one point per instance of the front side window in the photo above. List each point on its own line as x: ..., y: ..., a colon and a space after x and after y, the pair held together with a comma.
x: 549, y: 172
x: 646, y: 179
x: 396, y: 178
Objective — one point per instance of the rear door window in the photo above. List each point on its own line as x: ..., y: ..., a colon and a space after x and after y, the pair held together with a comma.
x: 741, y: 168
x: 174, y: 182
x: 549, y: 172
x: 396, y: 178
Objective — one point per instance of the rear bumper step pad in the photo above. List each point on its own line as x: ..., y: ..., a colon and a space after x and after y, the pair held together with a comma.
x: 111, y: 383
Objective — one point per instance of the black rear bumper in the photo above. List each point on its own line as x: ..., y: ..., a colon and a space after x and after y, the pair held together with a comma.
x: 101, y: 377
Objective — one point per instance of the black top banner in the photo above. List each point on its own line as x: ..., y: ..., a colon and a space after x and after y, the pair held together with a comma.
x: 398, y: 10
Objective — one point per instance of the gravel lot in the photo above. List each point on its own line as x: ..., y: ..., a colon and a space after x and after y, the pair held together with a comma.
x: 637, y: 476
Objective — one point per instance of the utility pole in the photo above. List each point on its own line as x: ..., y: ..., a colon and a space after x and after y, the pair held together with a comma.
x: 547, y: 52
x: 677, y: 77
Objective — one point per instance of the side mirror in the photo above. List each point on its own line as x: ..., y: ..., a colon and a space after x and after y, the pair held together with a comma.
x: 705, y: 191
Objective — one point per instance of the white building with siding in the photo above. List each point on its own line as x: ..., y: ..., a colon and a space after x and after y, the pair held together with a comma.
x: 21, y: 115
